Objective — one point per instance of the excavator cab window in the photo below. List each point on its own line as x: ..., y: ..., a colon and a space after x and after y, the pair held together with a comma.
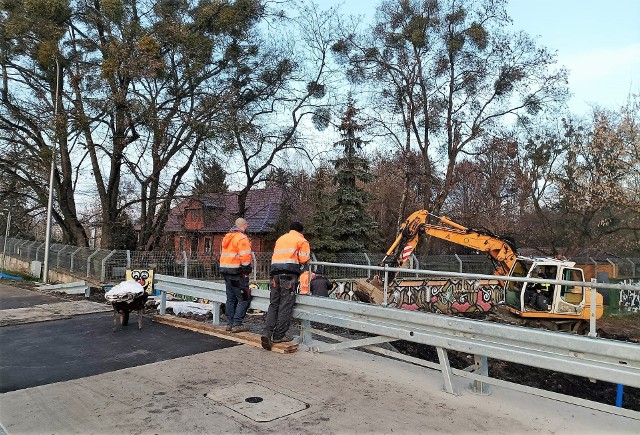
x: 513, y: 290
x: 572, y: 294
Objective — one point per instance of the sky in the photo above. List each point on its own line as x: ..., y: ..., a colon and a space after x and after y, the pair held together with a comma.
x: 597, y: 40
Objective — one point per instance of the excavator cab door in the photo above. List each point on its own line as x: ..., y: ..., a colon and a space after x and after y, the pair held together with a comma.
x: 570, y: 299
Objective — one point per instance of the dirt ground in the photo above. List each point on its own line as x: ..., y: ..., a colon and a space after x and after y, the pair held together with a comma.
x: 623, y: 327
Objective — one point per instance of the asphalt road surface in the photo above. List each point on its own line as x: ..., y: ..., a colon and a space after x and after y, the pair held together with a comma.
x: 35, y: 354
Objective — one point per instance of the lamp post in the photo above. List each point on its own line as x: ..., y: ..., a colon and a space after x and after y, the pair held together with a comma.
x: 47, y: 237
x: 6, y: 235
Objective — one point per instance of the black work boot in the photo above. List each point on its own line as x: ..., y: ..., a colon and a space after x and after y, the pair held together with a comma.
x: 266, y: 342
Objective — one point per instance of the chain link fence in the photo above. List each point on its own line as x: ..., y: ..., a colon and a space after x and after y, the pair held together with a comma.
x: 110, y: 265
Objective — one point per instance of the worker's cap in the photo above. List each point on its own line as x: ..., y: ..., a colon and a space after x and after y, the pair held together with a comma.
x: 296, y: 226
x: 240, y: 222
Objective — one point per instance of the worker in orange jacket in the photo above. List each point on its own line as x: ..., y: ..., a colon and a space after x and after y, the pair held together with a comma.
x: 289, y: 255
x: 235, y: 266
x: 305, y: 278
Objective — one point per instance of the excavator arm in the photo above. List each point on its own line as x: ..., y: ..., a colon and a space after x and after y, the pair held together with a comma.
x: 501, y: 251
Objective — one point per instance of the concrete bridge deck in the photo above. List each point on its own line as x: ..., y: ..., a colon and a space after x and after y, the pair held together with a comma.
x: 243, y: 389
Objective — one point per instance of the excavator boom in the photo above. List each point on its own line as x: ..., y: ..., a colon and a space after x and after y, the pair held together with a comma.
x: 499, y: 250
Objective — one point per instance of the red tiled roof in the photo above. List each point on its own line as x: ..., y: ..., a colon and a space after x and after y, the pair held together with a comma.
x: 263, y: 210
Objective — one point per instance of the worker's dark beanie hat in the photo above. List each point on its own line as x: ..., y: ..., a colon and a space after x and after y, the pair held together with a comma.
x: 296, y: 226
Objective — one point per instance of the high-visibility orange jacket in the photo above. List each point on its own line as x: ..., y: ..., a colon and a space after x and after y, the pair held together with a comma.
x: 291, y: 251
x: 304, y: 280
x: 236, y: 252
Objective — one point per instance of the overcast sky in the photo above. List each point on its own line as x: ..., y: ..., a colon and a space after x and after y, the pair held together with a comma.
x: 597, y: 40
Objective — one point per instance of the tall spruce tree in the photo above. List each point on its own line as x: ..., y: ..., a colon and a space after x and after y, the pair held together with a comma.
x: 354, y: 229
x: 210, y: 177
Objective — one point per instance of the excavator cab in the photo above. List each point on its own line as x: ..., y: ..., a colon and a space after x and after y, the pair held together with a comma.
x: 559, y: 299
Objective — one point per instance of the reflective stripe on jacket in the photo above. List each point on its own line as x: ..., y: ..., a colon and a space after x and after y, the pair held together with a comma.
x: 236, y: 252
x: 291, y: 250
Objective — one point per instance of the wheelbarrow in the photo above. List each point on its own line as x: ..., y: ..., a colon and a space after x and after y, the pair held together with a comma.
x: 126, y: 297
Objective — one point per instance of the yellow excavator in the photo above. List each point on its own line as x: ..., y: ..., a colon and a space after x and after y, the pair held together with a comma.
x: 565, y: 307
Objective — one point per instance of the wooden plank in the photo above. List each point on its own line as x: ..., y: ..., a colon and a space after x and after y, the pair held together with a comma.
x: 250, y: 338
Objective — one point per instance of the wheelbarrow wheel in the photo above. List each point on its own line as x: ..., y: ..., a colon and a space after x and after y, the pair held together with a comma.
x: 124, y: 317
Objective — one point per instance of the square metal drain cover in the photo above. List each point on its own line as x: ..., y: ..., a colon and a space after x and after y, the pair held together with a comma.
x: 257, y: 402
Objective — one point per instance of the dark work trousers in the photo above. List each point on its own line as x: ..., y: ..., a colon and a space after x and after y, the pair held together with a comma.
x: 237, y: 298
x: 281, y: 300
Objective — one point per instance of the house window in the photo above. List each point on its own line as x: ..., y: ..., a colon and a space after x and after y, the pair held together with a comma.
x: 207, y: 245
x: 193, y: 215
x: 181, y: 246
x: 194, y: 245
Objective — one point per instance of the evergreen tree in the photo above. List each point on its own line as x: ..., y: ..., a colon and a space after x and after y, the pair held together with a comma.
x: 354, y: 229
x: 210, y: 177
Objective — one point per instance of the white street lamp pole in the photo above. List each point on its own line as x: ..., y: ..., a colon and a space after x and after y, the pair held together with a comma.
x: 6, y: 235
x: 47, y: 237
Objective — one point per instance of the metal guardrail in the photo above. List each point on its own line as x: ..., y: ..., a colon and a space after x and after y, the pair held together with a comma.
x: 72, y: 288
x: 594, y: 358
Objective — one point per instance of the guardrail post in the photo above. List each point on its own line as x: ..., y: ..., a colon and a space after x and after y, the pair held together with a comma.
x: 592, y: 310
x: 445, y: 368
x: 73, y: 254
x: 89, y: 262
x: 385, y: 286
x: 104, y: 264
x: 481, y: 367
x: 163, y: 302
x: 459, y: 261
x: 368, y: 264
x: 216, y: 313
x: 307, y: 336
x: 186, y: 264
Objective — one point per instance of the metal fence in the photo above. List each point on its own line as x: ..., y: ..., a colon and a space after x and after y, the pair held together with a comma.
x: 110, y: 265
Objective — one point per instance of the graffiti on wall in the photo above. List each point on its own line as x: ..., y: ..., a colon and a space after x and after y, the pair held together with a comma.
x: 630, y: 299
x: 144, y: 277
x: 344, y: 290
x: 447, y: 296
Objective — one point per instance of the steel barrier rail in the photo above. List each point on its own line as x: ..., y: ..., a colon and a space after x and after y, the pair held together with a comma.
x: 601, y: 359
x: 606, y: 360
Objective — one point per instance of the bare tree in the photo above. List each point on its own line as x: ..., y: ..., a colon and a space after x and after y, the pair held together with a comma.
x: 278, y: 82
x: 449, y: 72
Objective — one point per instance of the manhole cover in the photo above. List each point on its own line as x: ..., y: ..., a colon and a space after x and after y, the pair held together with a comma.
x: 253, y: 399
x: 256, y: 401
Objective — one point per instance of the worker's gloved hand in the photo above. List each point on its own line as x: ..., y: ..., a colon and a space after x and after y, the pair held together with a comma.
x: 246, y: 270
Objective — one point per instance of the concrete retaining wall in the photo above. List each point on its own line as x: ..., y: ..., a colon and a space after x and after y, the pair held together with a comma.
x: 13, y: 264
